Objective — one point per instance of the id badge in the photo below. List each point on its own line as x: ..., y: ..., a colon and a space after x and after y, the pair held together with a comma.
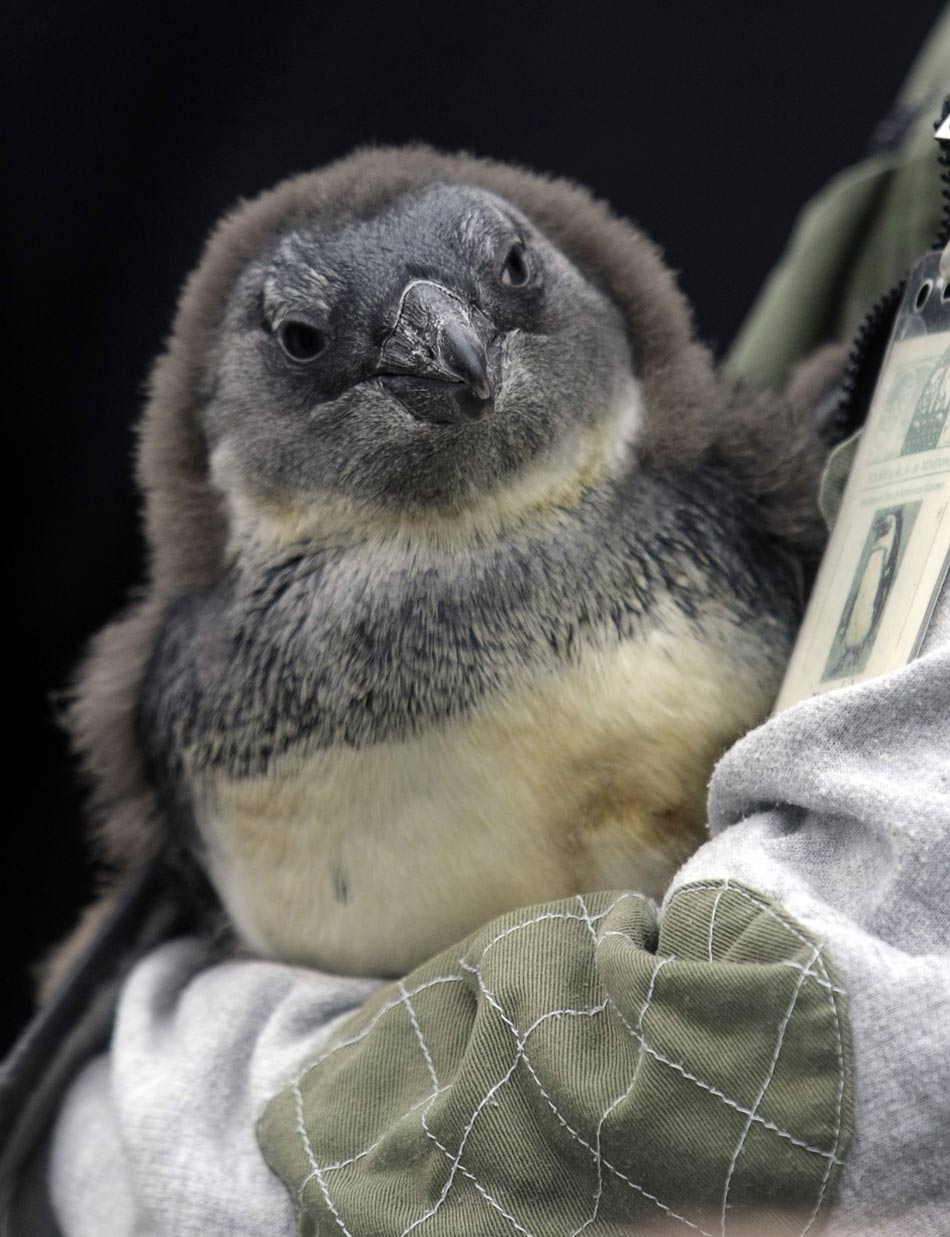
x: 889, y: 551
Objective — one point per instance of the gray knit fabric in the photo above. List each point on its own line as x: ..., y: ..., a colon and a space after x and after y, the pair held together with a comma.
x: 839, y: 809
x: 157, y: 1138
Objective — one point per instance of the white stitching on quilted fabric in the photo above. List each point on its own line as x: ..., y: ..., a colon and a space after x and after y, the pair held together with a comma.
x: 721, y: 1095
x: 456, y: 1160
x: 589, y: 920
x: 519, y: 1056
x: 457, y: 1163
x: 316, y: 1171
x: 528, y: 923
x: 721, y: 887
x: 389, y: 1005
x: 782, y: 1030
x: 644, y: 1047
x: 624, y: 897
x: 742, y: 893
x: 305, y: 1138
x: 712, y: 917
x: 599, y: 1188
x: 680, y: 1068
x: 478, y: 1185
x: 579, y: 1138
x: 839, y: 1107
x: 616, y: 932
x: 566, y: 1013
x: 419, y: 1036
x: 360, y: 1155
x: 795, y: 966
x: 457, y: 1157
x: 371, y: 1025
x: 822, y: 983
x: 825, y: 983
x: 833, y: 991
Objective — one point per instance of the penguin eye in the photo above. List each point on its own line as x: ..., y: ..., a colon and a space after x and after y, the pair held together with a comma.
x: 514, y: 272
x: 300, y: 341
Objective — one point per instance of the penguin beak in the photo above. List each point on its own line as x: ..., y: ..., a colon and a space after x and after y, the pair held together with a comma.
x: 437, y: 358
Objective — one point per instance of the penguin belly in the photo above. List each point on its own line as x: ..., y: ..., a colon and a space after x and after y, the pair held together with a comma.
x: 368, y: 860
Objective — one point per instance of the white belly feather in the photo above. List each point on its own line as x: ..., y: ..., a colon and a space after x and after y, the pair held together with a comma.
x: 371, y: 859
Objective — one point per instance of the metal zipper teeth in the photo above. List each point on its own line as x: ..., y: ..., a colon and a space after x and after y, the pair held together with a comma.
x: 944, y: 238
x: 871, y: 337
x: 868, y: 345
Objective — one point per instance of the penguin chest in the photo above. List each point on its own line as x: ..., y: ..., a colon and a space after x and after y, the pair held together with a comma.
x: 370, y: 859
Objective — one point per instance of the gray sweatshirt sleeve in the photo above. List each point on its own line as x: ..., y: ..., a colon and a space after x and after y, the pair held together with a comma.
x: 156, y: 1138
x: 839, y: 810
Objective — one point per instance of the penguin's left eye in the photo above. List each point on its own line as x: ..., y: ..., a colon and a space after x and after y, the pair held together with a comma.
x: 514, y: 272
x: 300, y: 341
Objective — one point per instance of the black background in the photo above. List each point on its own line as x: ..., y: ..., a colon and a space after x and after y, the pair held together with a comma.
x: 132, y: 127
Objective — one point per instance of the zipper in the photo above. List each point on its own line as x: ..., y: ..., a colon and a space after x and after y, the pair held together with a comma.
x: 944, y: 144
x: 864, y: 362
x: 870, y: 340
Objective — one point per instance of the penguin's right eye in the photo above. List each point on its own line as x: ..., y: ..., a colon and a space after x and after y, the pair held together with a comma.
x: 300, y: 341
x: 514, y: 272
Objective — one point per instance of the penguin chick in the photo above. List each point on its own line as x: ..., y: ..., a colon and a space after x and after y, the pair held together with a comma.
x: 465, y: 565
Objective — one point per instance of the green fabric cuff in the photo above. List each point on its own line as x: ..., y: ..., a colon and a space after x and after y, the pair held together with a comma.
x: 856, y: 240
x: 576, y: 1068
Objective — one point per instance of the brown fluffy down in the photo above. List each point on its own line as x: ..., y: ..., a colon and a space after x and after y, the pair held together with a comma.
x: 768, y: 444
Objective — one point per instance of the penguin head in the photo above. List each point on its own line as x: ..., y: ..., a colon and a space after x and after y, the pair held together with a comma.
x: 886, y: 529
x: 415, y: 357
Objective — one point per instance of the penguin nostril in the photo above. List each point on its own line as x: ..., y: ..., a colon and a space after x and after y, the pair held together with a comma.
x: 473, y: 406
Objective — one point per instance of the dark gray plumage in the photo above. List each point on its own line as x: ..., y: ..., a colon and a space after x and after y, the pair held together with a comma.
x: 465, y: 564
